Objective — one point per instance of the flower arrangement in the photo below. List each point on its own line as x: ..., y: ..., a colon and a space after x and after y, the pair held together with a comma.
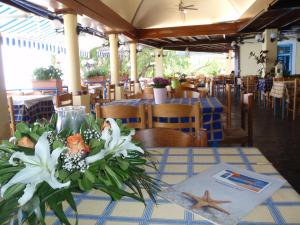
x: 160, y: 82
x: 40, y: 168
x: 260, y: 60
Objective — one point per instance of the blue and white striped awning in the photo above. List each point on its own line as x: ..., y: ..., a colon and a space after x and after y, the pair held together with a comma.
x: 26, y: 30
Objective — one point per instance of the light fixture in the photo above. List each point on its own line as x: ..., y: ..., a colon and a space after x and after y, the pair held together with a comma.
x: 233, y: 44
x: 273, y: 36
x: 139, y: 48
x: 259, y: 38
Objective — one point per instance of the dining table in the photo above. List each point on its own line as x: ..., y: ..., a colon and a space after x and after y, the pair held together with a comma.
x: 211, y: 110
x: 175, y: 165
x: 29, y: 108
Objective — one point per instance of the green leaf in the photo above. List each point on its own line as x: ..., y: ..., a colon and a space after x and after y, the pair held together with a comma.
x: 85, y: 184
x: 23, y: 128
x: 90, y: 176
x: 124, y: 164
x: 57, y: 144
x: 10, y: 170
x: 113, y: 176
x: 58, y: 210
x: 18, y: 134
x: 13, y: 190
x: 34, y: 136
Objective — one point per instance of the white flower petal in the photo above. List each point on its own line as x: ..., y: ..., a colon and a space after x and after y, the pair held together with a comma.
x: 54, y: 183
x: 27, y: 159
x: 28, y: 193
x: 134, y: 147
x: 95, y: 157
x: 24, y: 176
x: 116, y: 133
x: 42, y: 149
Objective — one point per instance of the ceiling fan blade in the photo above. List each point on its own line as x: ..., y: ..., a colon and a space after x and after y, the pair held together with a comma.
x: 188, y: 6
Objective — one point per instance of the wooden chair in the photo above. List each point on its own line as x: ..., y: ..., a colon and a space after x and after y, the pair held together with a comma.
x: 135, y: 116
x: 109, y: 93
x: 187, y: 85
x: 219, y: 83
x: 162, y: 137
x: 11, y: 115
x: 148, y: 93
x: 64, y: 100
x: 131, y: 87
x: 179, y: 111
x: 294, y: 100
x: 243, y: 135
x: 228, y: 106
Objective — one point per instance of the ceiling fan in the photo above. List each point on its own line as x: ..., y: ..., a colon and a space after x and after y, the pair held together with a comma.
x: 184, y: 8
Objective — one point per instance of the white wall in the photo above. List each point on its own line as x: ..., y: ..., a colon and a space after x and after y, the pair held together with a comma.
x: 248, y: 65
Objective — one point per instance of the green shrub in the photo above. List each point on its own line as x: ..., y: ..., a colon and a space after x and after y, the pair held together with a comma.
x: 101, y: 71
x: 49, y: 73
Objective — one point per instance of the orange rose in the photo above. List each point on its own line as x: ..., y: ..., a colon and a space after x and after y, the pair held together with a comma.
x: 76, y: 144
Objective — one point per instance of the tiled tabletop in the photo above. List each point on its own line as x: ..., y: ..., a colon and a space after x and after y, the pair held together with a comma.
x: 175, y: 165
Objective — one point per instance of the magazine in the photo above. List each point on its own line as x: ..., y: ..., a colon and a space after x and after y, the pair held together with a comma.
x: 223, y: 194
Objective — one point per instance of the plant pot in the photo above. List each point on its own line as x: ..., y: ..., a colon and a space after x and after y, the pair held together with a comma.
x: 160, y: 95
x: 96, y: 79
x: 44, y: 84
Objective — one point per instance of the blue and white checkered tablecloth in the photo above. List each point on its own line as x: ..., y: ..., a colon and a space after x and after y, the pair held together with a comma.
x: 211, y: 110
x: 175, y: 165
x: 41, y: 109
x: 264, y: 85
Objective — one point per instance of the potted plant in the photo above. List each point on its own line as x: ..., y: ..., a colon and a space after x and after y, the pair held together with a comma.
x: 261, y: 60
x: 96, y: 74
x: 160, y: 90
x: 47, y: 78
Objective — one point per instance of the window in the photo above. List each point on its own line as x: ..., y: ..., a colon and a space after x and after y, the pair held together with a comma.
x: 284, y: 54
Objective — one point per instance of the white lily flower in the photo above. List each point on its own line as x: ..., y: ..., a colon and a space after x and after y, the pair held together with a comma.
x: 38, y: 168
x: 114, y: 143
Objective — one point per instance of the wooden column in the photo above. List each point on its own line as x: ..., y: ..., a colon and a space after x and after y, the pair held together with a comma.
x: 158, y: 63
x: 114, y: 58
x: 229, y: 64
x: 73, y: 63
x: 4, y: 121
x: 133, y: 62
x: 271, y: 47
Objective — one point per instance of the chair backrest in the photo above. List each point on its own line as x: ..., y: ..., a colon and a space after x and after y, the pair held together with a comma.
x: 186, y: 116
x: 187, y: 84
x: 296, y: 98
x: 64, y: 100
x: 11, y: 115
x: 148, y: 93
x: 134, y: 116
x: 161, y: 137
x: 131, y: 87
x: 109, y: 92
x: 228, y: 106
x: 247, y: 115
x: 251, y: 82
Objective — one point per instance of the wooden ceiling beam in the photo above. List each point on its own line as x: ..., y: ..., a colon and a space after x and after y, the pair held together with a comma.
x: 211, y: 29
x: 199, y: 42
x: 100, y: 12
x: 198, y: 49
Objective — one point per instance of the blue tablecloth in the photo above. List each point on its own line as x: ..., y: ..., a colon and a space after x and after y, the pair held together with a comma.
x: 211, y: 110
x: 42, y: 109
x: 264, y: 85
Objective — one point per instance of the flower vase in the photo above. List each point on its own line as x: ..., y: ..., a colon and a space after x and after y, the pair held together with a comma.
x: 71, y: 118
x: 160, y: 95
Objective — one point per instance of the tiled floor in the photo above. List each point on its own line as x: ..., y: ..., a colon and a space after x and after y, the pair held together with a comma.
x: 277, y: 139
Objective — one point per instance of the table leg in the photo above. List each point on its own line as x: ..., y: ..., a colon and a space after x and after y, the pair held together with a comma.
x: 274, y: 100
x: 283, y: 108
